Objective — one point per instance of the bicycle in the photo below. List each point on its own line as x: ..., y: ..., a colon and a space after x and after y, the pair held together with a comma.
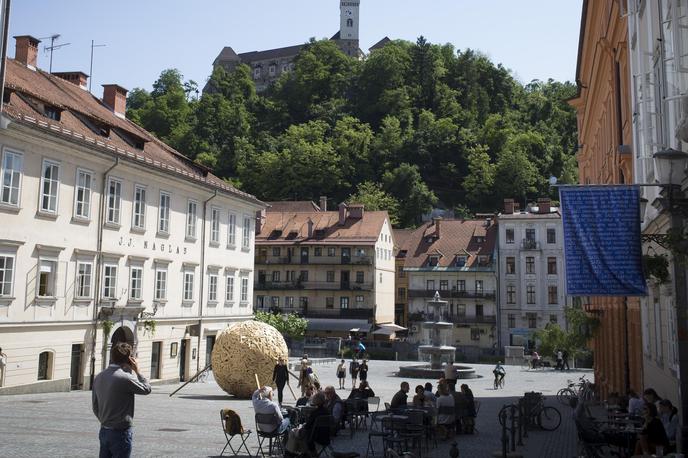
x: 582, y: 390
x: 547, y: 418
x: 499, y: 382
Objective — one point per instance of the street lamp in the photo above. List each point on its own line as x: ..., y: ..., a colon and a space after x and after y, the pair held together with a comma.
x: 670, y: 166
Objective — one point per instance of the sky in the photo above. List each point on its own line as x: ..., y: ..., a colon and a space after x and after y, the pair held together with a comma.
x: 535, y: 39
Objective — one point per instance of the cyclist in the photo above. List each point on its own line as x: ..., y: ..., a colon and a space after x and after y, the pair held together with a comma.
x: 499, y: 373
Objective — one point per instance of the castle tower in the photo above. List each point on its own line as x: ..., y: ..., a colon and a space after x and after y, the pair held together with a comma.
x: 348, y: 27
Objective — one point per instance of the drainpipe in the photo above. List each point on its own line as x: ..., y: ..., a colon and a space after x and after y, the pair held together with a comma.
x: 202, y: 283
x: 99, y: 261
x: 3, y: 64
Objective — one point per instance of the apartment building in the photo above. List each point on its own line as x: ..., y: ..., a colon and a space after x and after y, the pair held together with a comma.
x: 401, y: 302
x: 531, y: 271
x: 456, y: 258
x: 108, y: 235
x: 335, y: 268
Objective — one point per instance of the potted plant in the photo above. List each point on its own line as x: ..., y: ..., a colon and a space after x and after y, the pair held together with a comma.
x: 656, y: 267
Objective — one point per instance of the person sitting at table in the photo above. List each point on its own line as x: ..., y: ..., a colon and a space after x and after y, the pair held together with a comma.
x: 400, y: 399
x: 419, y: 397
x: 336, y: 407
x: 313, y: 437
x: 650, y: 396
x: 653, y: 434
x: 362, y: 392
x: 305, y: 400
x: 467, y: 420
x: 635, y: 404
x: 669, y: 416
x: 429, y: 395
x: 263, y: 403
x: 445, y: 402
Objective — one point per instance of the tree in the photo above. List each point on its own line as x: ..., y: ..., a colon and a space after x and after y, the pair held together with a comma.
x: 373, y: 197
x: 406, y: 185
x: 574, y: 339
x: 480, y: 180
x: 291, y: 325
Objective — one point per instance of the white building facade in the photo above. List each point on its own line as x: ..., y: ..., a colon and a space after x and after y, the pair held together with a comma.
x: 531, y: 272
x: 100, y: 244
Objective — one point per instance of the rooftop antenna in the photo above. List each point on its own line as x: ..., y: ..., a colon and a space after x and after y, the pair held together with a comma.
x: 90, y: 80
x: 53, y: 47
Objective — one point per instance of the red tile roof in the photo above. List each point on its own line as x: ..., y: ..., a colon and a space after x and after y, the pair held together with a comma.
x: 457, y: 237
x: 85, y: 119
x: 292, y: 206
x: 292, y: 227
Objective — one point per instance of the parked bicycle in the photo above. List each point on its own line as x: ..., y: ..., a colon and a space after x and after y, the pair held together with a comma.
x: 583, y: 389
x: 547, y: 418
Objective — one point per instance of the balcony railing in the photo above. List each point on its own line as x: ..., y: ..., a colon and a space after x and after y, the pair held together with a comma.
x: 453, y: 293
x: 324, y: 260
x: 454, y: 318
x: 359, y: 314
x: 313, y: 285
x: 528, y: 244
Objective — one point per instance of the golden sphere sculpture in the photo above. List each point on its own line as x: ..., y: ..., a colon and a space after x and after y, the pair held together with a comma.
x: 243, y: 350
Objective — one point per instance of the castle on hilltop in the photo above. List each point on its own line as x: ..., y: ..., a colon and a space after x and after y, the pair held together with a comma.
x: 268, y: 65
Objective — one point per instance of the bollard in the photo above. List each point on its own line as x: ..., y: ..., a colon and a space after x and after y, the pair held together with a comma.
x: 513, y: 428
x: 520, y: 422
x: 505, y: 438
x: 526, y: 417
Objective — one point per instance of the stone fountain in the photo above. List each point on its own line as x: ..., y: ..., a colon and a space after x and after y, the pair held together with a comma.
x: 440, y: 332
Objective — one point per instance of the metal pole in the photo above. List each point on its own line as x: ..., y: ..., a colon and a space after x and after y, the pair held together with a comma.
x: 513, y: 428
x: 505, y: 438
x: 520, y: 422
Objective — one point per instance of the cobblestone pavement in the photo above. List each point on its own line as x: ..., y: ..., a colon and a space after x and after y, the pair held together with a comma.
x: 186, y: 425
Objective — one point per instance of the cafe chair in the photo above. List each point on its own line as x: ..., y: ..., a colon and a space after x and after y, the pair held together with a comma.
x: 231, y: 427
x: 321, y: 435
x: 274, y: 437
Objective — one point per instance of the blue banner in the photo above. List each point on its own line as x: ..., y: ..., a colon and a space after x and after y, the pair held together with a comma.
x: 602, y: 240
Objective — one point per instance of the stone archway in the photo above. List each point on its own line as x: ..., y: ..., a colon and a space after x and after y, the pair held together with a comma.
x: 123, y: 334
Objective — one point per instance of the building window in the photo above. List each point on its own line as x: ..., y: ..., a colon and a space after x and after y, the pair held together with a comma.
x: 530, y: 265
x: 349, y: 22
x: 510, y: 265
x: 164, y: 213
x: 191, y: 219
x: 303, y: 303
x: 400, y: 272
x: 401, y: 293
x: 275, y: 301
x: 430, y: 285
x: 530, y: 235
x: 329, y: 302
x: 229, y: 288
x: 289, y: 302
x: 532, y: 320
x: 461, y: 309
x: 114, y: 201
x: 380, y: 277
x: 244, y: 289
x: 246, y: 233
x: 135, y: 283
x: 479, y: 310
x: 360, y: 275
x: 188, y: 286
x: 359, y: 301
x: 552, y: 294
x: 478, y: 286
x: 215, y: 225
x: 82, y: 194
x: 260, y: 302
x: 290, y: 275
x: 11, y: 178
x: 84, y: 272
x: 330, y: 276
x: 303, y: 275
x: 509, y: 236
x: 460, y: 261
x: 212, y: 288
x: 317, y: 251
x: 510, y: 294
x: 433, y: 261
x: 256, y: 72
x: 461, y: 285
x: 343, y: 303
x: 530, y: 293
x: 475, y: 333
x: 139, y: 217
x: 444, y: 285
x: 551, y: 235
x: 6, y: 275
x: 551, y: 266
x: 47, y: 278
x: 50, y: 183
x: 160, y: 284
x: 110, y: 281
x: 272, y: 70
x: 276, y: 251
x: 511, y: 320
x: 275, y: 276
x: 331, y: 251
x: 45, y: 363
x: 553, y: 319
x: 231, y: 230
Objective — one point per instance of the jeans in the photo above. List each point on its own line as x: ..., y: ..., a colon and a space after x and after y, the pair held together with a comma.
x: 115, y: 443
x: 283, y: 427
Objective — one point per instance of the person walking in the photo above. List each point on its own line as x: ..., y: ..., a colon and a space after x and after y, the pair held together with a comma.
x: 353, y: 370
x: 363, y: 371
x: 280, y: 377
x: 341, y: 374
x: 113, y: 401
x: 565, y: 360
x: 560, y: 358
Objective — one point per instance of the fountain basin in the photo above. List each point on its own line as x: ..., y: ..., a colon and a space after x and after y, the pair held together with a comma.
x: 424, y: 371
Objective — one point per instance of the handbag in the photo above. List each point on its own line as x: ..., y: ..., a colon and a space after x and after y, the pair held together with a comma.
x: 296, y: 441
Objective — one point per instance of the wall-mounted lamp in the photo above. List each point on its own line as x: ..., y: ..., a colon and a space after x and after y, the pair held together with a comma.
x: 670, y: 166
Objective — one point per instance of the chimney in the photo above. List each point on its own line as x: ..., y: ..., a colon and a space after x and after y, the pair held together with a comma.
x: 26, y: 50
x: 115, y: 97
x: 323, y: 203
x: 310, y: 227
x: 342, y: 214
x: 544, y: 203
x: 508, y: 206
x: 260, y: 220
x: 356, y: 211
x: 436, y: 222
x: 78, y: 78
x: 517, y: 207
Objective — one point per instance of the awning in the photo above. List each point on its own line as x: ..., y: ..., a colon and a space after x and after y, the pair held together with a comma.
x: 392, y: 326
x: 337, y: 325
x: 384, y: 331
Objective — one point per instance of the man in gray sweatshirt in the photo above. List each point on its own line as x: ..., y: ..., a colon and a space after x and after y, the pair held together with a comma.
x: 113, y: 401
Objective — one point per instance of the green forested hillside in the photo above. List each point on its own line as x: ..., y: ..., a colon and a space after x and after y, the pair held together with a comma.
x: 411, y: 126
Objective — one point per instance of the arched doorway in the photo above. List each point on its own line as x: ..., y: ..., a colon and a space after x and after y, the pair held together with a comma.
x: 122, y: 334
